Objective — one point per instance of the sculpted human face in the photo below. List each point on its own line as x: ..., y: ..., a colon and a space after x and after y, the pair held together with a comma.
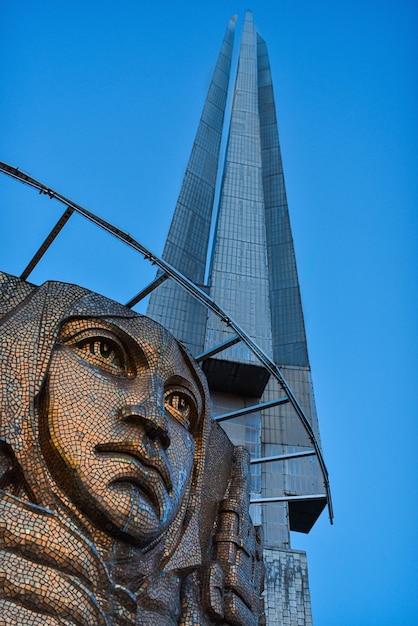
x: 121, y: 404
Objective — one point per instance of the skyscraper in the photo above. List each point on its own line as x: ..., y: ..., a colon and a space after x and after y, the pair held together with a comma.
x: 252, y: 275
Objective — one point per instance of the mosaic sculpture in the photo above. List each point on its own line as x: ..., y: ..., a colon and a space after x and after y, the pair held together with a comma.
x: 121, y: 502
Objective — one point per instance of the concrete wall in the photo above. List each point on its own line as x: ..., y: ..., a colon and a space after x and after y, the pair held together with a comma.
x: 287, y: 601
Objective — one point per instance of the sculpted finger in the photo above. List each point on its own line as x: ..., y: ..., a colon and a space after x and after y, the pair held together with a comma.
x: 238, y: 583
x: 50, y: 540
x: 236, y: 612
x: 53, y: 594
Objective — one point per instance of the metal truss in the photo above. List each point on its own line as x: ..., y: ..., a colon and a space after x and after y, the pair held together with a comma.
x: 167, y: 271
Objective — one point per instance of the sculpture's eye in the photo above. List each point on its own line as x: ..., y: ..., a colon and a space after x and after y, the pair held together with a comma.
x: 181, y: 405
x: 105, y: 351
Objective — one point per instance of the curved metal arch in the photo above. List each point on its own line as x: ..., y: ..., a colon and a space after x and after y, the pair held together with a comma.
x: 196, y: 292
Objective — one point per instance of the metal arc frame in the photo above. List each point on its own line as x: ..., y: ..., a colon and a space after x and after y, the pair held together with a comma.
x: 194, y: 291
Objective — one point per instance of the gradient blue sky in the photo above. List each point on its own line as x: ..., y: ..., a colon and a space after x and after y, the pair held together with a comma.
x: 101, y: 100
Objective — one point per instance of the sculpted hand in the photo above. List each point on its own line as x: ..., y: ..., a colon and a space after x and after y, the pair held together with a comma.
x: 235, y: 581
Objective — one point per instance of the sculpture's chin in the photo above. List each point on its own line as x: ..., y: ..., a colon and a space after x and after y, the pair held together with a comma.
x: 139, y: 514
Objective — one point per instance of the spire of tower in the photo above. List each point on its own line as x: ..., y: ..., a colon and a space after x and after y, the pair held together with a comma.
x: 239, y: 274
x: 289, y: 340
x: 187, y: 241
x: 253, y: 277
x: 188, y: 238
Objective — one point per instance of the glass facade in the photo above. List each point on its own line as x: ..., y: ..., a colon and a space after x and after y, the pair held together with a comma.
x: 187, y: 242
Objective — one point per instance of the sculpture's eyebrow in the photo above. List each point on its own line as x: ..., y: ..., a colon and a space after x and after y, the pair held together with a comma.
x: 73, y: 326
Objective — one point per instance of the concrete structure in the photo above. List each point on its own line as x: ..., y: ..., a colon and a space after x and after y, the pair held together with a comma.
x: 253, y: 276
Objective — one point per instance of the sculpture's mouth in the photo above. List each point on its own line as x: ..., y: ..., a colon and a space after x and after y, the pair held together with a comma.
x: 149, y: 471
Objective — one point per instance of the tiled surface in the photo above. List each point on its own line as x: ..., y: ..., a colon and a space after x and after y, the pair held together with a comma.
x: 287, y: 600
x: 188, y: 238
x: 107, y: 469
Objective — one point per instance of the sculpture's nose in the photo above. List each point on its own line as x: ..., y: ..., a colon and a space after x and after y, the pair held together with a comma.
x: 151, y: 417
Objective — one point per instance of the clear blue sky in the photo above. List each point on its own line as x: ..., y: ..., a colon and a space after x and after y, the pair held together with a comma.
x: 101, y: 100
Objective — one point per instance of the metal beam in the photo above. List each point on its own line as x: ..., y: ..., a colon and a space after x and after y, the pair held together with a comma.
x: 318, y: 496
x: 198, y: 294
x: 219, y: 348
x: 147, y: 290
x: 44, y: 247
x: 282, y: 457
x: 250, y: 409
